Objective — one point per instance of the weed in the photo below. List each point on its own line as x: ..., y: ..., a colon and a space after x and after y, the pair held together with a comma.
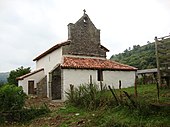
x: 145, y: 111
x: 87, y: 96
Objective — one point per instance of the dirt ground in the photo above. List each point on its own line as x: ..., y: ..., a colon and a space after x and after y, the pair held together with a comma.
x: 49, y: 120
x: 37, y: 102
x: 52, y: 119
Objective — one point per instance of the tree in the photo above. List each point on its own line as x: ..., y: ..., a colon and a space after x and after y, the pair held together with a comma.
x: 17, y: 73
x: 142, y: 57
x: 11, y: 98
x: 1, y: 83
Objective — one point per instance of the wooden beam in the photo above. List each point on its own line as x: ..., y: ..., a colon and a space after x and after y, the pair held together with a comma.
x: 163, y: 37
x: 163, y: 57
x: 157, y: 61
x: 165, y: 63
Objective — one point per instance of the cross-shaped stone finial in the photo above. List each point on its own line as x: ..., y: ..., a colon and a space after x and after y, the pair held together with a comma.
x: 84, y: 11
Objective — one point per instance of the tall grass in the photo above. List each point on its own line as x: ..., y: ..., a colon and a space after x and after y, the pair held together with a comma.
x: 142, y: 111
x: 88, y: 96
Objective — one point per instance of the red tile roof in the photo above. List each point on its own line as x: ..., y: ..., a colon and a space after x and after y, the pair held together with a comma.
x: 29, y: 74
x: 94, y: 63
x: 52, y: 49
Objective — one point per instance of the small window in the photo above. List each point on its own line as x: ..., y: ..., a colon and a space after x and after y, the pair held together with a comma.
x: 100, y: 75
x: 85, y: 20
x: 31, y: 87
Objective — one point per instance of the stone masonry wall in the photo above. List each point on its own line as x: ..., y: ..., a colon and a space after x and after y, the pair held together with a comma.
x: 42, y: 87
x: 85, y: 39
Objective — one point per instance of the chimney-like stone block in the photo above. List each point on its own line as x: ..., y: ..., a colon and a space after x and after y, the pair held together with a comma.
x: 70, y: 29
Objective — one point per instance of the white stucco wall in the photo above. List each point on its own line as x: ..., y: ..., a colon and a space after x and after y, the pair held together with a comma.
x: 80, y: 76
x: 48, y: 62
x: 76, y: 77
x: 35, y: 77
x: 112, y: 78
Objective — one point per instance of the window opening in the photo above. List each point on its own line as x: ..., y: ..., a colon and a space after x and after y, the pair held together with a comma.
x: 100, y: 75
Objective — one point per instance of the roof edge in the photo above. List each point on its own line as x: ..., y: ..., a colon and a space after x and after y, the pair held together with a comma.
x: 125, y: 65
x: 93, y: 68
x: 102, y: 47
x: 52, y: 49
x: 29, y: 74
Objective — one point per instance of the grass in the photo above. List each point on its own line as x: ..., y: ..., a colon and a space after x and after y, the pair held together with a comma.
x: 148, y: 93
x: 113, y: 116
x: 116, y: 117
x: 123, y: 116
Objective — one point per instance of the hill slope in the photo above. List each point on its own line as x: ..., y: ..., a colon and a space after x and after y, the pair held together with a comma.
x: 142, y: 57
x: 3, y: 77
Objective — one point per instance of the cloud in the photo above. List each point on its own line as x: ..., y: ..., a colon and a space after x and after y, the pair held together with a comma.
x: 29, y: 27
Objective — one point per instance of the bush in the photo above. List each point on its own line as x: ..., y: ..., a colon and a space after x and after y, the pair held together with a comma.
x: 11, y: 98
x: 25, y: 115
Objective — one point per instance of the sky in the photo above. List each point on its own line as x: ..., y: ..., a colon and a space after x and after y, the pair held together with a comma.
x: 30, y: 27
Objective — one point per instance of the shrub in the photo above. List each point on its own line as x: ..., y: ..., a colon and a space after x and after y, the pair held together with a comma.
x: 88, y: 96
x: 26, y: 115
x: 11, y: 98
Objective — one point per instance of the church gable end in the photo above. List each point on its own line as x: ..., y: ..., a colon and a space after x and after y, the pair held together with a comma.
x: 85, y: 39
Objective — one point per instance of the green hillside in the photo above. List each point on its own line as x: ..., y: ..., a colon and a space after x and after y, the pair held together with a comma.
x: 142, y: 57
x: 3, y: 77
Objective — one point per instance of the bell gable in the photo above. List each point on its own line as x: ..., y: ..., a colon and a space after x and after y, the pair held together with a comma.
x: 85, y: 39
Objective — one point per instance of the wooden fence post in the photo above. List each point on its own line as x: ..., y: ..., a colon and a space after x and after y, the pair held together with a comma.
x: 117, y: 102
x: 120, y: 89
x: 136, y: 93
x: 101, y: 85
x: 72, y: 92
x: 90, y: 79
x: 157, y: 62
x: 158, y: 68
x: 157, y: 85
x: 132, y: 102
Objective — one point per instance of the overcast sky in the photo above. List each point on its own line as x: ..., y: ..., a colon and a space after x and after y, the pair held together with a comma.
x: 30, y: 27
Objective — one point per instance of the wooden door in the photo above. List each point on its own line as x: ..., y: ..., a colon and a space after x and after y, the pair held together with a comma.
x: 30, y: 87
x: 56, y: 84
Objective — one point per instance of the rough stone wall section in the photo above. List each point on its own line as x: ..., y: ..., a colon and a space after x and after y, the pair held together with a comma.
x: 42, y: 87
x: 85, y: 39
x: 56, y: 84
